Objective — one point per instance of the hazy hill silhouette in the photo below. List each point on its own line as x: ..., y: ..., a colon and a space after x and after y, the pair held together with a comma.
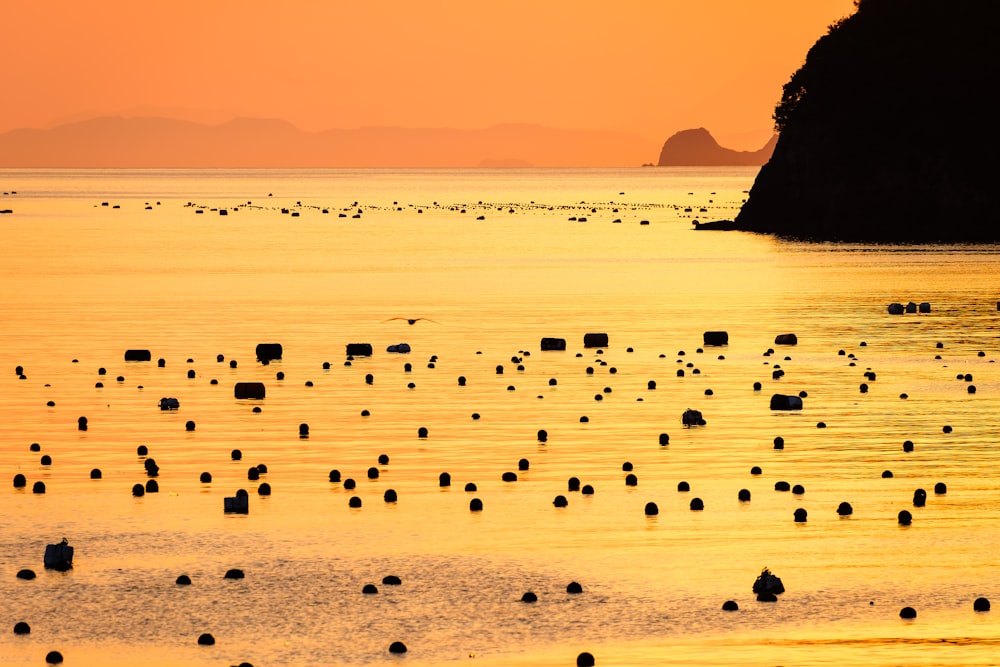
x: 165, y: 143
x: 698, y: 148
x: 887, y: 132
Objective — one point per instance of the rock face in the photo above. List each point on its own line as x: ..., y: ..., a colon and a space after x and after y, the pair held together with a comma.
x: 886, y: 132
x: 698, y: 148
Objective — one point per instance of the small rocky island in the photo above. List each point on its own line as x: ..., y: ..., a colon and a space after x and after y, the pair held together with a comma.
x: 886, y: 133
x: 698, y: 148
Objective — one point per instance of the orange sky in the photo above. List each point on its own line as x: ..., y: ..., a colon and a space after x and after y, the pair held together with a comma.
x: 647, y: 66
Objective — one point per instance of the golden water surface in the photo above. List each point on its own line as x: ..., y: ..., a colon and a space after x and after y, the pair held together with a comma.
x: 159, y: 268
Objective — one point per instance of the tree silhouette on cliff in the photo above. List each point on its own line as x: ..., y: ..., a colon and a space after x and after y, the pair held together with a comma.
x: 888, y: 131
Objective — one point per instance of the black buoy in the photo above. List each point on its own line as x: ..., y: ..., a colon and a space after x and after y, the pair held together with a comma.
x: 189, y: 426
x: 940, y: 488
x: 183, y: 580
x: 22, y: 628
x: 631, y: 480
x: 81, y: 423
x: 475, y: 505
x: 444, y: 479
x: 389, y: 496
x: 907, y: 613
x: 234, y: 573
x: 730, y: 605
x: 370, y: 589
x: 152, y: 486
x: 96, y: 473
x: 26, y: 574
x: 696, y: 505
x: 683, y: 486
x: 335, y: 475
x: 138, y: 490
x: 651, y: 509
x: 529, y: 597
x: 470, y: 487
x: 744, y: 495
x: 373, y: 473
x: 585, y: 660
x: 303, y: 430
x: 573, y: 484
x: 904, y: 518
x: 206, y: 639
x: 38, y: 487
x: 354, y: 502
x: 981, y: 604
x: 845, y: 509
x: 397, y: 647
x: 574, y: 588
x: 20, y: 481
x: 800, y: 515
x: 264, y: 489
x: 422, y: 432
x: 53, y: 658
x: 664, y: 439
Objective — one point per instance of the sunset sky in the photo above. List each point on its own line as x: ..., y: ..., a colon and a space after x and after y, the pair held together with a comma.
x: 652, y: 67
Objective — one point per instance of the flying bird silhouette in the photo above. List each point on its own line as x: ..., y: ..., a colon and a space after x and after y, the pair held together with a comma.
x: 410, y: 320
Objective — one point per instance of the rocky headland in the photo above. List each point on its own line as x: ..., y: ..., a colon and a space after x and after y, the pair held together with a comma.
x: 886, y: 133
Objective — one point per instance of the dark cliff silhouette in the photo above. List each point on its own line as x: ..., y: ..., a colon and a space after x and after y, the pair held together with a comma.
x: 698, y: 148
x: 886, y: 132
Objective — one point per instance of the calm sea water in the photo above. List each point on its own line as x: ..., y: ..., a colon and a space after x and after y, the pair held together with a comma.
x: 95, y: 263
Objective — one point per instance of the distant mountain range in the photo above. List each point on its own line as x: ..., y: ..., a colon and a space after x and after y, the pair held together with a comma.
x: 109, y: 142
x: 152, y: 142
x: 698, y: 148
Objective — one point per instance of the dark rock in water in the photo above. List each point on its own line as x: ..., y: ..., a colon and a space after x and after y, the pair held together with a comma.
x: 268, y: 351
x: 872, y: 145
x: 845, y: 509
x: 743, y: 496
x: 206, y: 639
x: 549, y: 344
x: 595, y: 340
x: 574, y: 588
x: 981, y: 604
x: 53, y: 658
x: 585, y: 660
x: 247, y: 390
x: 234, y: 573
x: 475, y: 505
x: 369, y: 589
x: 22, y: 628
x: 20, y: 481
x: 907, y: 612
x: 59, y: 556
x: 904, y: 518
x: 730, y: 605
x: 26, y: 574
x: 359, y: 349
x: 37, y: 487
x: 785, y: 402
x: 786, y: 339
x: 183, y: 580
x: 692, y: 418
x: 800, y: 515
x: 397, y: 647
x: 715, y: 338
x: 529, y: 597
x: 138, y: 355
x: 651, y: 509
x: 767, y: 584
x: 560, y: 501
x: 391, y: 580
